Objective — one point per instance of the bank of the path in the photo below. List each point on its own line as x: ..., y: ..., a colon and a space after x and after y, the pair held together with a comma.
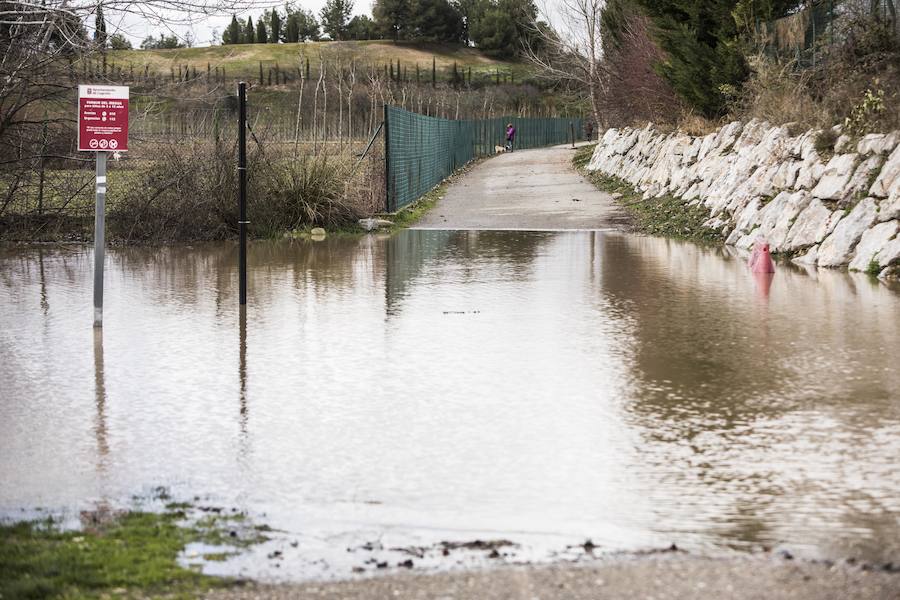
x: 527, y: 190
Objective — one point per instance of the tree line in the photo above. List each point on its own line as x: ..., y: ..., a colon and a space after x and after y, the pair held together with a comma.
x: 496, y: 27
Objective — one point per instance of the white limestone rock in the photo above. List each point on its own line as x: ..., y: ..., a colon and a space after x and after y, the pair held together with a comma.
x: 786, y: 175
x: 842, y: 144
x: 871, y: 244
x: 774, y: 218
x: 889, y: 178
x: 890, y: 208
x: 811, y: 170
x: 889, y: 255
x: 858, y: 184
x: 835, y: 177
x: 793, y: 206
x: 838, y: 247
x: 810, y: 258
x: 812, y: 225
x: 878, y: 143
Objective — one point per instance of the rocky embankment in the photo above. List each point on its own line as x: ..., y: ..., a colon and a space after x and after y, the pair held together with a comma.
x: 822, y: 204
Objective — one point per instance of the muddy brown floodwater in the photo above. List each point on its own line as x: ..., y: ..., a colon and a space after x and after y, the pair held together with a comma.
x: 398, y: 398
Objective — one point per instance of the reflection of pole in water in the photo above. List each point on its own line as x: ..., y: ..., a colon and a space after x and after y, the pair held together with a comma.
x: 100, y: 392
x: 45, y: 305
x: 242, y: 367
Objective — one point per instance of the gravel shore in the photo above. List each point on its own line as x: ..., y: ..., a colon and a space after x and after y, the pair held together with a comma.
x: 676, y: 577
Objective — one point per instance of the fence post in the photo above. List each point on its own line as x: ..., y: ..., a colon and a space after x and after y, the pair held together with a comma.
x: 387, y: 161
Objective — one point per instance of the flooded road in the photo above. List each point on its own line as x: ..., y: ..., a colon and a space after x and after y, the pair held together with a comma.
x: 447, y: 386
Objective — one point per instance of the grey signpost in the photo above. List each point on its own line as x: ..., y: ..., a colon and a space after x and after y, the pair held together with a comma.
x: 99, y: 238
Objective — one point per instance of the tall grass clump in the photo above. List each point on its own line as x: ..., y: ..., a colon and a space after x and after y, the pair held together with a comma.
x: 305, y: 191
x: 189, y: 192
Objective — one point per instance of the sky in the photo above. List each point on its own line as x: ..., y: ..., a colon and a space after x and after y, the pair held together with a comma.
x: 209, y: 30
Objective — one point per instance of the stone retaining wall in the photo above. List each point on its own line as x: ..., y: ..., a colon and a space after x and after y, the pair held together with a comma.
x: 757, y: 180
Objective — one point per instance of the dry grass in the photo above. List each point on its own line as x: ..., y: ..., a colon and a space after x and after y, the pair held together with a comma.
x: 242, y: 60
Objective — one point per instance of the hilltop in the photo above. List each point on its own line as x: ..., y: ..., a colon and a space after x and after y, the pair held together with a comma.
x: 243, y: 60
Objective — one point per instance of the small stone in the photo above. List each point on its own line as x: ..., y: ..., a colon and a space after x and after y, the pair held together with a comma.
x: 406, y: 564
x: 382, y: 565
x: 358, y: 570
x: 785, y: 555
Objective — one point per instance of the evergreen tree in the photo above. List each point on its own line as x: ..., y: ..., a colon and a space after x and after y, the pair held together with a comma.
x: 500, y: 27
x: 704, y: 61
x: 362, y: 27
x: 232, y: 33
x: 249, y: 32
x: 392, y: 18
x: 335, y: 17
x: 494, y: 33
x: 308, y: 26
x: 117, y: 41
x: 437, y: 21
x: 291, y: 29
x: 275, y: 33
x: 468, y: 10
x: 262, y: 36
x: 100, y: 28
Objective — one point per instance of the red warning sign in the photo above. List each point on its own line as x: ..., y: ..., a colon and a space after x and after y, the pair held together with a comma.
x: 103, y: 118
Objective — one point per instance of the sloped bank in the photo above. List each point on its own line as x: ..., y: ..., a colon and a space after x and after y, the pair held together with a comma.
x: 830, y: 205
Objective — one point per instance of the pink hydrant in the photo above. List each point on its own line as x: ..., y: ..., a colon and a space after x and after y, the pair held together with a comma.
x: 761, y: 260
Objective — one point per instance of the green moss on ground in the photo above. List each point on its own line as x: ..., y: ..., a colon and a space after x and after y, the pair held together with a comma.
x: 134, y: 554
x: 666, y: 216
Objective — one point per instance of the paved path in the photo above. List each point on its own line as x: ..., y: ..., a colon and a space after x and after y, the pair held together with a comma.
x: 529, y: 190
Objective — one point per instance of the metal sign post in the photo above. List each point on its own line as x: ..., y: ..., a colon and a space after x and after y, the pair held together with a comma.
x: 242, y: 188
x: 102, y: 126
x: 99, y: 238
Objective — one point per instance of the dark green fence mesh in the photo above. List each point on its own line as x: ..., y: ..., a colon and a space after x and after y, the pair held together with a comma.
x: 421, y: 151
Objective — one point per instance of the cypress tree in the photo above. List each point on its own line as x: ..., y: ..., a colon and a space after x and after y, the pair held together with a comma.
x: 275, y: 26
x: 262, y: 36
x: 100, y: 27
x: 249, y: 32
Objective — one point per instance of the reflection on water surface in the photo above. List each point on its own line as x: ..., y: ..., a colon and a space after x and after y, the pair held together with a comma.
x: 539, y: 387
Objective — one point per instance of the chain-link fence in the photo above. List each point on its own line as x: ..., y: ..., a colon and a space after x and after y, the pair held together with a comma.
x: 422, y: 151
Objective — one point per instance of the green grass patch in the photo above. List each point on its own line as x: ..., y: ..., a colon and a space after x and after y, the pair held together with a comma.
x: 873, y: 268
x: 409, y: 215
x: 134, y: 554
x: 664, y: 216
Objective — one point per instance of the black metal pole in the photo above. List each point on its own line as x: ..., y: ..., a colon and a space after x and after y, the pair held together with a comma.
x: 242, y: 187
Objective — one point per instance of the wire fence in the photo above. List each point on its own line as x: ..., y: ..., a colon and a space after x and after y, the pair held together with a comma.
x: 422, y: 151
x: 804, y: 36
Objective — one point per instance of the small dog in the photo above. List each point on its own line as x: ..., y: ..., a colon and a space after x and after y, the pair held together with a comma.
x: 499, y: 149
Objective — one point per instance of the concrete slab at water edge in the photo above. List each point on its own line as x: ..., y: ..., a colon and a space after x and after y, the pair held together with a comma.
x: 527, y: 190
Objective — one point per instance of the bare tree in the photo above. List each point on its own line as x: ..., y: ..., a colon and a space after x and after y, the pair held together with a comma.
x: 570, y: 52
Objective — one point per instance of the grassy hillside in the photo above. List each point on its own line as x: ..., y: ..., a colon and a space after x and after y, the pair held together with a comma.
x: 242, y: 60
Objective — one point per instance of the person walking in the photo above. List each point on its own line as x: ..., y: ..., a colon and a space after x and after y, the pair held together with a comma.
x: 510, y: 137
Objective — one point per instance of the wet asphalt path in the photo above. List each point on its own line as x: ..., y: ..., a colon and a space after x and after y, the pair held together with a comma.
x: 524, y: 190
